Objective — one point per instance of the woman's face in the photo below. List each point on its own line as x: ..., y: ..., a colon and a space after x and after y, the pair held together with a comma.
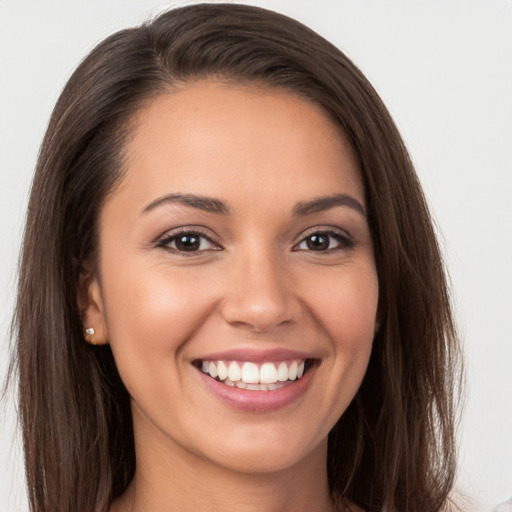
x: 236, y: 254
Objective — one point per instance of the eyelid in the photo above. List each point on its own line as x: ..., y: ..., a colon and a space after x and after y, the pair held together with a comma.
x: 174, y: 233
x: 325, y: 229
x: 328, y: 230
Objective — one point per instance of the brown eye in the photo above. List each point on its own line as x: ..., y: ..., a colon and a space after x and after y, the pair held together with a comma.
x: 317, y: 242
x: 188, y: 242
x: 325, y: 241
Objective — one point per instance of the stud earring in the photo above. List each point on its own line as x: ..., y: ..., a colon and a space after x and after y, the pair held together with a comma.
x: 89, y: 335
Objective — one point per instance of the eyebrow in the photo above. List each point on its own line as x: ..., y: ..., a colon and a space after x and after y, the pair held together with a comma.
x: 207, y: 204
x: 322, y: 204
x: 302, y: 209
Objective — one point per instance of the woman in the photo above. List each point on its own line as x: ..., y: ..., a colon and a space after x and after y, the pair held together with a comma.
x: 231, y: 295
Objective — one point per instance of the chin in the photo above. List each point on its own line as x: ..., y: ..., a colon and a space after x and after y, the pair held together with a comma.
x: 268, y: 452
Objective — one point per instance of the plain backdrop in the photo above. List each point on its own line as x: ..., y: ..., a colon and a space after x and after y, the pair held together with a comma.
x: 444, y: 69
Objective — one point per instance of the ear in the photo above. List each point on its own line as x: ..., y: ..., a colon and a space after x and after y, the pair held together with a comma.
x: 90, y: 304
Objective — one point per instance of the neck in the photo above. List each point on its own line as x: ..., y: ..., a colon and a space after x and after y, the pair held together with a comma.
x: 173, y: 479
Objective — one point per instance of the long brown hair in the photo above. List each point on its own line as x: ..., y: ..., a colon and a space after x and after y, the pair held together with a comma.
x: 393, y: 448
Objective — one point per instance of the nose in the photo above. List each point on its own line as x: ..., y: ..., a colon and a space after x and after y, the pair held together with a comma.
x: 260, y: 295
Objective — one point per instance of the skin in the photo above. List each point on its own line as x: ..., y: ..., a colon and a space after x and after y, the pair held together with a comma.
x: 256, y: 285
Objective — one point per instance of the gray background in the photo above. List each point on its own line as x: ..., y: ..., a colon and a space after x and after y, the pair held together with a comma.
x: 443, y: 67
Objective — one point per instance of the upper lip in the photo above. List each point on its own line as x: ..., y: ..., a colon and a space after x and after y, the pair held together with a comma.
x: 256, y: 355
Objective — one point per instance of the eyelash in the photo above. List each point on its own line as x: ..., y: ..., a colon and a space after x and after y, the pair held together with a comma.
x: 169, y: 238
x: 343, y: 240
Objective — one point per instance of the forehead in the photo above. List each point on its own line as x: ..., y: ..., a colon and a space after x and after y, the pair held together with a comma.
x: 211, y: 138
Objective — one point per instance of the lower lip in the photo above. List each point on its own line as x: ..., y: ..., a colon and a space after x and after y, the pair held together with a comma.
x: 259, y: 401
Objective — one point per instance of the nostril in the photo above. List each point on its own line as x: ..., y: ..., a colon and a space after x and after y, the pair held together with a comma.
x: 260, y: 314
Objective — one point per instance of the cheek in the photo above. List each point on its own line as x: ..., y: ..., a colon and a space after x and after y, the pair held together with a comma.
x: 346, y: 307
x: 346, y: 310
x: 151, y: 313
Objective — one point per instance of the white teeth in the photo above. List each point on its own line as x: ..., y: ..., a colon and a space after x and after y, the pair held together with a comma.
x: 250, y: 373
x: 257, y: 387
x: 222, y: 370
x: 268, y: 373
x: 292, y: 371
x: 282, y: 372
x: 212, y: 369
x: 234, y: 372
x: 300, y: 370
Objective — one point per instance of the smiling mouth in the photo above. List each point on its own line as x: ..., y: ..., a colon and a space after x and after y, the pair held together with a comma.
x: 265, y: 376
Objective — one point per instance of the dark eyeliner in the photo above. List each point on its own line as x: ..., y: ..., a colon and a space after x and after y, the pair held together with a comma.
x: 346, y: 241
x: 164, y: 240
